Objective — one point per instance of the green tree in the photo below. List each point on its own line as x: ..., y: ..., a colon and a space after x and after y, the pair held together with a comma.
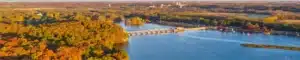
x: 214, y: 22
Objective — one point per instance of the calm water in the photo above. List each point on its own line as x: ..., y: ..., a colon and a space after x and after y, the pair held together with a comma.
x: 207, y: 45
x: 257, y: 15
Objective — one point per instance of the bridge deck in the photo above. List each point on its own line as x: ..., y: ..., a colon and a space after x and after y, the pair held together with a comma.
x: 162, y: 31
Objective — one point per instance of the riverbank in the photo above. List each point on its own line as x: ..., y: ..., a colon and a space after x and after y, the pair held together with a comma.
x: 271, y: 47
x: 199, y: 45
x: 225, y: 29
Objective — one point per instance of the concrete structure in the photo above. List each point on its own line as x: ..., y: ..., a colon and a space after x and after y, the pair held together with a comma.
x: 199, y: 28
x: 156, y: 31
x: 152, y: 6
x: 162, y: 5
x: 180, y: 4
x: 162, y: 31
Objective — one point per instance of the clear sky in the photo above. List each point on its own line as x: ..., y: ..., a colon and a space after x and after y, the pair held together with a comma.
x: 126, y: 0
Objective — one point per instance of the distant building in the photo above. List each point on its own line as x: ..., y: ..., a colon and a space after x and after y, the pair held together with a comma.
x: 169, y: 5
x: 109, y: 5
x: 180, y: 4
x: 162, y: 5
x: 153, y: 6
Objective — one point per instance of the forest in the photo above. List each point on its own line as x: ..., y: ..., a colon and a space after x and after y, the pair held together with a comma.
x: 61, y: 35
x: 219, y: 19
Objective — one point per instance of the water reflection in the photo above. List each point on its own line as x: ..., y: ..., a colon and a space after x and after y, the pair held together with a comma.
x: 207, y: 45
x: 251, y: 15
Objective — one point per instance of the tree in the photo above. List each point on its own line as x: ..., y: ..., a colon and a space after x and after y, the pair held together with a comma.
x: 206, y: 21
x: 58, y: 41
x: 57, y: 16
x: 271, y: 19
x: 136, y: 21
x: 102, y: 18
x: 1, y: 18
x: 214, y: 22
x: 281, y: 17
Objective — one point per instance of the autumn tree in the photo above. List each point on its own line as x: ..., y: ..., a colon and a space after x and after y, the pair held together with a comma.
x: 271, y: 19
x: 136, y: 21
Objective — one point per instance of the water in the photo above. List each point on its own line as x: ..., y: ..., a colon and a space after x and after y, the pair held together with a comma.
x: 207, y: 45
x: 257, y: 15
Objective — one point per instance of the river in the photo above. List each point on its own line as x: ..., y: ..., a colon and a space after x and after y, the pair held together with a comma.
x: 253, y: 15
x: 207, y: 45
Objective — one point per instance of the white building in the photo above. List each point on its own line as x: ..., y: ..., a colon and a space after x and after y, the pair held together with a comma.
x: 153, y: 6
x: 180, y: 4
x: 162, y: 5
x: 109, y: 5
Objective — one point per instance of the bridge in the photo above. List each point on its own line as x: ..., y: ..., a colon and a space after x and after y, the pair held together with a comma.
x: 162, y: 31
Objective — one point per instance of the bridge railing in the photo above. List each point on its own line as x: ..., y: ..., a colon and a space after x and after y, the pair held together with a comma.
x: 161, y: 31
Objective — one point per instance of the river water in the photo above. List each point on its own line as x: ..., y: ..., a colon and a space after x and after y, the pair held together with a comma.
x: 207, y: 45
x: 257, y: 15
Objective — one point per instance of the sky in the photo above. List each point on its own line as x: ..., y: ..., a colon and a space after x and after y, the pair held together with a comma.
x: 125, y: 0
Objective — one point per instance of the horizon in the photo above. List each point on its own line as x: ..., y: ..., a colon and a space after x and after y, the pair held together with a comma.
x: 140, y: 0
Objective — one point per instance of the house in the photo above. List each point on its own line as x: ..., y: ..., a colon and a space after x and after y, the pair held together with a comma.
x: 153, y: 6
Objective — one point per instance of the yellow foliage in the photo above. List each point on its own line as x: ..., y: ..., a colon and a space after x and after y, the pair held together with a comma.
x: 1, y: 18
x: 66, y: 40
x: 270, y: 19
x: 136, y: 21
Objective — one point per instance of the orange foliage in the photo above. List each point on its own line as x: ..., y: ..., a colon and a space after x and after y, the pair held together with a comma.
x: 77, y: 40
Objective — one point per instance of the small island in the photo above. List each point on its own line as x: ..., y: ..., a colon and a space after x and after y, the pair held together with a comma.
x: 135, y: 21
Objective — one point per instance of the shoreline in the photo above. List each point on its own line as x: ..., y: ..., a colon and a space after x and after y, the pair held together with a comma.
x: 228, y: 29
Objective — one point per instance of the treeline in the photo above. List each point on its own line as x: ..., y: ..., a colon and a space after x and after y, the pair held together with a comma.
x: 286, y: 8
x: 220, y: 19
x: 227, y: 20
x: 53, y: 4
x: 35, y: 17
x: 250, y: 6
x: 30, y: 36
